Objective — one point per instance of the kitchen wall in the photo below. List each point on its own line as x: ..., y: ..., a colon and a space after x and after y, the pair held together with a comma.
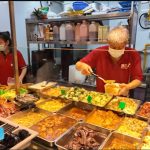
x: 23, y: 10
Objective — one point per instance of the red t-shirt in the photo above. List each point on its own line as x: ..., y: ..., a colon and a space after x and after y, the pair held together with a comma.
x: 124, y: 70
x: 6, y: 66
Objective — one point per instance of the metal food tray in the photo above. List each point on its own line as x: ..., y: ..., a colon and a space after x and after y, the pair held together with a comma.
x: 81, y: 105
x: 65, y: 138
x: 120, y: 137
x: 14, y: 128
x: 51, y: 143
x: 140, y: 108
x: 57, y: 99
x: 117, y: 125
x: 23, y: 113
x: 138, y: 102
x: 42, y: 85
x: 44, y: 95
x: 134, y: 117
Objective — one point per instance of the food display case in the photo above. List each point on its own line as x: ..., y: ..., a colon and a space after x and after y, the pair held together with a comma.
x: 62, y: 109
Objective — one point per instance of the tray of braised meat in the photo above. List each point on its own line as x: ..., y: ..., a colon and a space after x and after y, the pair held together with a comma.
x: 83, y: 136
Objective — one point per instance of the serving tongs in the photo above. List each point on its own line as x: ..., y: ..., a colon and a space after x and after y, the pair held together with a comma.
x: 105, y: 81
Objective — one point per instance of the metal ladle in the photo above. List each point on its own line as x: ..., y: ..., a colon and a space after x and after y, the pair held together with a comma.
x: 105, y: 81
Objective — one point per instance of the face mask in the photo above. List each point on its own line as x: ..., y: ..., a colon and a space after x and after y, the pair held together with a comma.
x: 116, y: 53
x: 2, y: 47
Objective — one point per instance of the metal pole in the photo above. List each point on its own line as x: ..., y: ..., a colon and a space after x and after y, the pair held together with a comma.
x: 14, y: 43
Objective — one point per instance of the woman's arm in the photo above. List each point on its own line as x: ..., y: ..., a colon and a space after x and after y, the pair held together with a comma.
x: 132, y: 85
x: 23, y: 73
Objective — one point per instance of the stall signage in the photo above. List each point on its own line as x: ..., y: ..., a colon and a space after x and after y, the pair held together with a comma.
x: 89, y: 99
x: 122, y: 105
x: 63, y: 92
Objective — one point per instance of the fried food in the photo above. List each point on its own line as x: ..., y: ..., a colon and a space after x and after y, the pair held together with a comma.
x: 132, y: 126
x: 106, y: 119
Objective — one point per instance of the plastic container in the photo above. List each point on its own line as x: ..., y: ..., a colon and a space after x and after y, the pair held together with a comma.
x: 70, y: 32
x: 84, y: 31
x: 46, y: 32
x: 75, y: 76
x: 77, y: 32
x: 62, y: 32
x: 93, y: 31
x: 56, y: 33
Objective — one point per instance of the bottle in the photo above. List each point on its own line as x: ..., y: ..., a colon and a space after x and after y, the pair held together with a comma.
x: 46, y: 32
x: 100, y: 33
x: 93, y: 31
x: 105, y: 33
x: 51, y: 33
x: 62, y: 32
x: 56, y: 33
x: 84, y: 31
x: 69, y: 32
x: 77, y: 32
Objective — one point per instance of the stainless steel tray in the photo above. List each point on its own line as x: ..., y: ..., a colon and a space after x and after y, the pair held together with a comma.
x: 53, y: 99
x: 43, y: 93
x: 25, y: 113
x: 141, y: 107
x: 79, y: 105
x: 138, y: 102
x: 133, y: 126
x: 103, y: 109
x: 14, y: 128
x: 65, y: 138
x: 47, y: 141
x: 121, y: 137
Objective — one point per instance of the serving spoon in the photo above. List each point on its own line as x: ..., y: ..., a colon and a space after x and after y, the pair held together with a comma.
x: 105, y: 81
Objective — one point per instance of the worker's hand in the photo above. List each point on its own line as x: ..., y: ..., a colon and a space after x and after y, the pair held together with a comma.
x: 124, y: 91
x: 86, y: 70
x: 20, y: 80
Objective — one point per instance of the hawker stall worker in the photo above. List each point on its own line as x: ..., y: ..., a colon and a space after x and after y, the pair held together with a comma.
x: 114, y: 62
x: 6, y: 60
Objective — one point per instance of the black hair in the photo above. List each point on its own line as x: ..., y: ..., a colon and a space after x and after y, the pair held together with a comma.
x: 6, y: 37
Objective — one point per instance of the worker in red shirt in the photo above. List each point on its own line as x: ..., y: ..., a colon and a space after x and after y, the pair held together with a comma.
x: 6, y: 60
x: 114, y: 62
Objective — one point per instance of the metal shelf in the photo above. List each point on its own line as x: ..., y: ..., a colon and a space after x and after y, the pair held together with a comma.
x: 109, y: 16
x: 67, y: 42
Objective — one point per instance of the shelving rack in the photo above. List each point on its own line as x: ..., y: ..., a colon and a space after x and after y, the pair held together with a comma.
x: 131, y: 16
